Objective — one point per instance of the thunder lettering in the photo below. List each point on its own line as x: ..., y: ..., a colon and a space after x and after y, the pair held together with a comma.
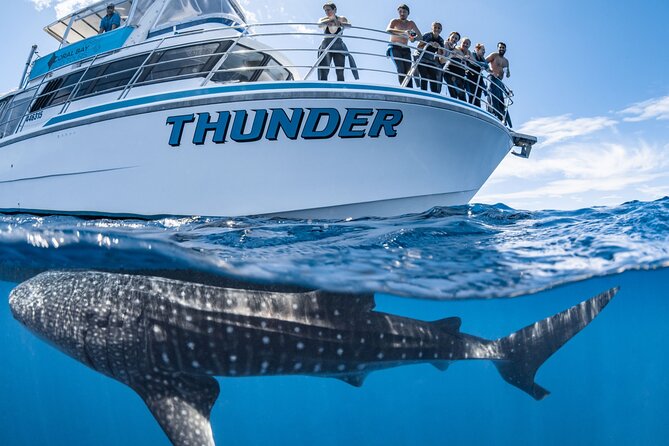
x: 294, y: 123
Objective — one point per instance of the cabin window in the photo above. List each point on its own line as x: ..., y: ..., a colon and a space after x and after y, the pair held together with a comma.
x: 183, y: 62
x: 111, y: 76
x: 47, y: 94
x: 13, y: 113
x: 274, y: 72
x: 238, y: 66
x: 56, y: 92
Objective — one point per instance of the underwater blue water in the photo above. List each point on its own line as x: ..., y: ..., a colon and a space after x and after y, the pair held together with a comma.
x: 608, y: 385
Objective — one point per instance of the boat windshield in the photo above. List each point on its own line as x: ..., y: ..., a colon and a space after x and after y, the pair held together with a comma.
x: 180, y: 11
x: 85, y: 22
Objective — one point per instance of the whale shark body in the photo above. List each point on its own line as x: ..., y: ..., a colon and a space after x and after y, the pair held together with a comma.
x: 166, y: 339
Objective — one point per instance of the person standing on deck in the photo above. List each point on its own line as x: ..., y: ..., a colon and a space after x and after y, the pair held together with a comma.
x: 111, y: 21
x: 454, y: 71
x: 498, y: 65
x: 402, y: 31
x: 477, y: 63
x: 333, y: 25
x: 430, y: 68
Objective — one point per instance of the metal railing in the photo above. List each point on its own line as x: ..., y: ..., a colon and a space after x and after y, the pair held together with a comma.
x: 309, y: 50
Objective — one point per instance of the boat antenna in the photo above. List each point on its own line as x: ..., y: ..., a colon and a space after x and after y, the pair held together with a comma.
x: 33, y: 50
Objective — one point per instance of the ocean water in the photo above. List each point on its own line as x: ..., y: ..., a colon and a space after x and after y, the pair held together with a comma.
x: 496, y: 268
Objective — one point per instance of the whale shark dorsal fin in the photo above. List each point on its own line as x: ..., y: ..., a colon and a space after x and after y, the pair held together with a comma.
x: 182, y: 405
x: 356, y: 380
x: 449, y: 324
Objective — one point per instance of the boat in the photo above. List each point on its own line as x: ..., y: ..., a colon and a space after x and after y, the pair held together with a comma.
x: 189, y: 109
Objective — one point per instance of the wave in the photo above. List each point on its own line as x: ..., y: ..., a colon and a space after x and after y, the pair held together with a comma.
x: 475, y: 251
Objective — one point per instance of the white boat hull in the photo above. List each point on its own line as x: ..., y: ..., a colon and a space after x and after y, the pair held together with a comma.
x: 118, y: 161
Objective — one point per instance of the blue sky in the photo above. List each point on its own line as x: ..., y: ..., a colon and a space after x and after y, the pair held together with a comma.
x: 590, y: 80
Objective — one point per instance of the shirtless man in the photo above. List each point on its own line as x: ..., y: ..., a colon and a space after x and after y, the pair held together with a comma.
x: 498, y: 65
x: 402, y: 30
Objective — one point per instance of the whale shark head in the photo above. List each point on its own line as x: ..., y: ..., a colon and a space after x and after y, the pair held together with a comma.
x: 51, y: 310
x: 96, y: 318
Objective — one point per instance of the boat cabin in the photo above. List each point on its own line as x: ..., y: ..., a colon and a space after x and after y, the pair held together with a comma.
x: 147, y: 49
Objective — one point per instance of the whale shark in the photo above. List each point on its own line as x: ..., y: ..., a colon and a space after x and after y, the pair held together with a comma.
x: 167, y: 339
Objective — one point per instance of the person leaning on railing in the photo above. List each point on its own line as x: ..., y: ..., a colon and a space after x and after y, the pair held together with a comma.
x: 402, y: 31
x: 470, y: 87
x: 336, y: 50
x: 475, y: 65
x: 454, y: 71
x: 498, y: 65
x: 111, y: 21
x: 430, y: 68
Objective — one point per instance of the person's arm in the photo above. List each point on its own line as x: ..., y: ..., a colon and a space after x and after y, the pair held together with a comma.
x: 508, y: 70
x: 392, y: 30
x: 323, y: 22
x: 415, y: 29
x: 490, y: 59
x: 116, y: 21
x: 422, y: 44
x: 343, y: 22
x: 482, y: 63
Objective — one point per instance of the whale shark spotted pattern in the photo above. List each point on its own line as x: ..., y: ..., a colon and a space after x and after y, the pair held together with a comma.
x: 166, y: 339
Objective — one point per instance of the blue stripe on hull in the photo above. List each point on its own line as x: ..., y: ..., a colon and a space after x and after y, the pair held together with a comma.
x: 246, y: 88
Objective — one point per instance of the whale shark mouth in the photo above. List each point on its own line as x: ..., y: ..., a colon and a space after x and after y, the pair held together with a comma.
x: 145, y: 320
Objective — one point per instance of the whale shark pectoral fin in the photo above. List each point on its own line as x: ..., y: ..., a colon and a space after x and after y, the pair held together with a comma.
x: 182, y: 405
x: 450, y: 324
x: 356, y: 379
x: 442, y: 365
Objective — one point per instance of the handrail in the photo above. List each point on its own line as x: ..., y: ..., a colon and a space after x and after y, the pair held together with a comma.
x: 323, y: 54
x: 221, y: 61
x: 138, y: 73
x: 368, y: 45
x: 76, y: 87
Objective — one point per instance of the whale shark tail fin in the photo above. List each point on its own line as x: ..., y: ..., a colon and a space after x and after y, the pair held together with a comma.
x: 526, y: 350
x: 182, y: 405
